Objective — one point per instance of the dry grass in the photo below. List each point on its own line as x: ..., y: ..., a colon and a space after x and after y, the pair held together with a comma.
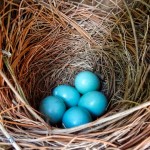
x: 45, y: 43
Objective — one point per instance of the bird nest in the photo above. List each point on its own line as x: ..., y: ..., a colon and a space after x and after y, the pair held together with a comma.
x: 46, y: 43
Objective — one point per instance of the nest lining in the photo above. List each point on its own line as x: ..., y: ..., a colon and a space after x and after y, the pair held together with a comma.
x: 49, y: 45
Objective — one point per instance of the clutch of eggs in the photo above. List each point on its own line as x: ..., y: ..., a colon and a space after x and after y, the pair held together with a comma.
x: 75, y: 106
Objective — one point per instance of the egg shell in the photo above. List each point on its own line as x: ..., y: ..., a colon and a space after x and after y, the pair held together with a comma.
x: 53, y: 108
x: 87, y: 81
x: 76, y: 116
x: 68, y: 93
x: 95, y: 102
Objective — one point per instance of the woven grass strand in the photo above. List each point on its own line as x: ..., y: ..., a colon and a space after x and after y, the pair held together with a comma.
x: 14, y: 144
x: 19, y: 97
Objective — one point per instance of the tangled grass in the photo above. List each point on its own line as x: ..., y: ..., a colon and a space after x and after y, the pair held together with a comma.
x: 46, y: 43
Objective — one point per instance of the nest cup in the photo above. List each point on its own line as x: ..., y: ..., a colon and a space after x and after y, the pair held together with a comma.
x: 45, y: 44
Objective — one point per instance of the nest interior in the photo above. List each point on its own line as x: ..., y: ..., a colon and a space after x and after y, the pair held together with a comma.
x: 46, y: 43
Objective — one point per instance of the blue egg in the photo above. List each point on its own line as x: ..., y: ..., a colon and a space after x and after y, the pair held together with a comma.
x: 95, y: 102
x: 87, y: 81
x: 76, y: 116
x: 68, y: 93
x: 53, y: 108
